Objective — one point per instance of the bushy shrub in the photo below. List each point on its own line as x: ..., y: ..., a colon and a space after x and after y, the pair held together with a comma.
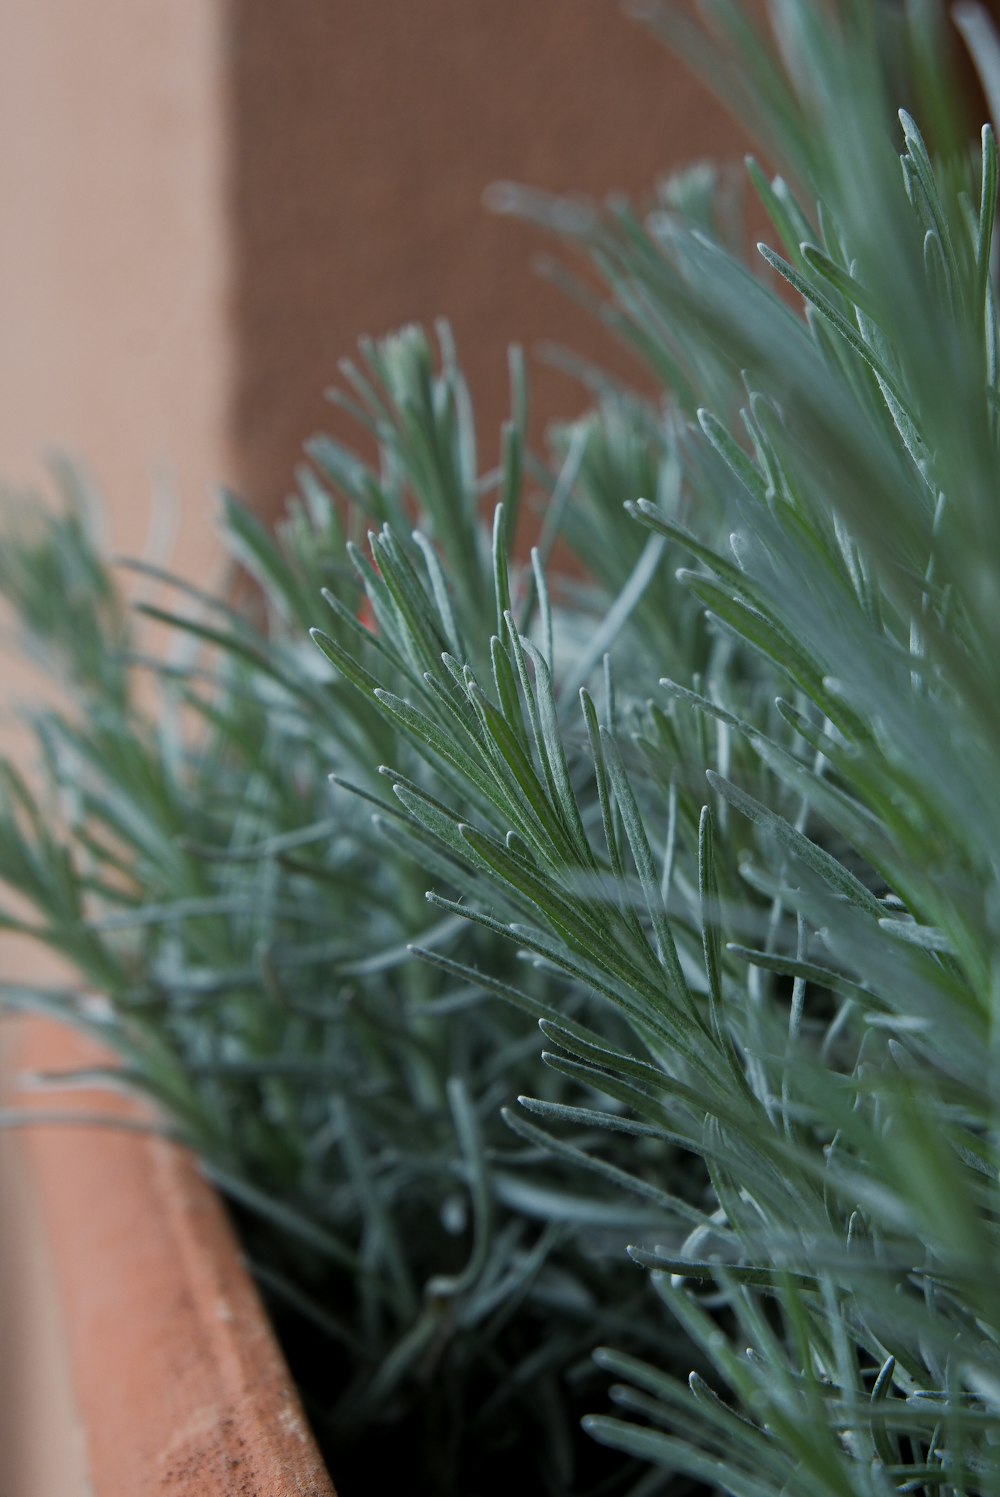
x: 767, y: 998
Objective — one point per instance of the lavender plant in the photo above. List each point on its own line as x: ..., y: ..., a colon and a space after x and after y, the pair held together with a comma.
x: 719, y: 821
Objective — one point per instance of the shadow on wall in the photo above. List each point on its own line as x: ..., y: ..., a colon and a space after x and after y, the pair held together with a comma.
x: 370, y: 132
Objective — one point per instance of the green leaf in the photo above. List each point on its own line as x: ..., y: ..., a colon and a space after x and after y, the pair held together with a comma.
x: 840, y: 324
x: 816, y: 858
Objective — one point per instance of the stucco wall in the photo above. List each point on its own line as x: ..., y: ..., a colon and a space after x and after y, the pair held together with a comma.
x: 370, y: 129
x: 115, y: 258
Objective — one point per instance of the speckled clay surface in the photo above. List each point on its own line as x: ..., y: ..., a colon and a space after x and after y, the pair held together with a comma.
x: 178, y: 1378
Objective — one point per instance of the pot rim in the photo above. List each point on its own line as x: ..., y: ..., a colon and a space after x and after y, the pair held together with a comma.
x: 177, y: 1373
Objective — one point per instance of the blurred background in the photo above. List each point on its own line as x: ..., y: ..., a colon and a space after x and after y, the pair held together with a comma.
x: 205, y: 203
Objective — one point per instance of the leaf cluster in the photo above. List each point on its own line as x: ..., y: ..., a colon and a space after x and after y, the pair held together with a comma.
x: 766, y: 994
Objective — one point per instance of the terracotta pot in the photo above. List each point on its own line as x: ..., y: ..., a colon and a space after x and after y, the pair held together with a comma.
x: 176, y: 1374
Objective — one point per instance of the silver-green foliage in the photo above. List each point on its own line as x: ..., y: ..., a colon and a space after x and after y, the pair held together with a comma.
x: 199, y: 840
x: 767, y: 998
x: 834, y: 1068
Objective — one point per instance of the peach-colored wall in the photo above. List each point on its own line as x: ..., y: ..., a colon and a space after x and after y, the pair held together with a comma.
x: 206, y: 203
x: 115, y: 254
